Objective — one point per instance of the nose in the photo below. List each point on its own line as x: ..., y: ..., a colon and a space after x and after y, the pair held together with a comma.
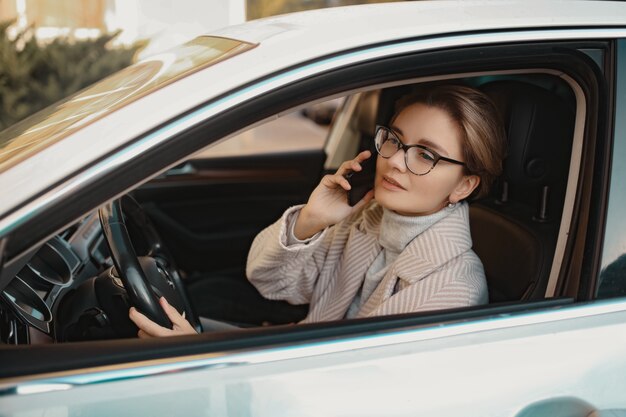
x: 397, y: 161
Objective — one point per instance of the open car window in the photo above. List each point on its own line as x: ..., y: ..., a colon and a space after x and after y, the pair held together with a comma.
x: 206, y: 210
x: 303, y: 129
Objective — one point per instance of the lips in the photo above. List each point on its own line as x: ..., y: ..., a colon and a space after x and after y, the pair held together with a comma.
x: 391, y: 183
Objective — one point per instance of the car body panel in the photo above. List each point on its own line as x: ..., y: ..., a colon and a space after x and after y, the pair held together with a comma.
x: 516, y: 360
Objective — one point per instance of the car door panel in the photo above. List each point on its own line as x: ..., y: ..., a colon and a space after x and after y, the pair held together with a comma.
x: 498, y: 365
x: 209, y: 211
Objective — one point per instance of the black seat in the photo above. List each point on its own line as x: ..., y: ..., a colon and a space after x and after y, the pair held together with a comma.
x: 515, y: 230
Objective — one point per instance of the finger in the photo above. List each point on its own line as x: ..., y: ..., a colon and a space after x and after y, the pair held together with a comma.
x: 354, y: 164
x: 180, y: 325
x: 359, y: 159
x: 143, y: 335
x: 175, y: 317
x: 342, y: 182
x: 363, y: 156
x: 331, y: 181
x: 147, y: 325
x: 345, y: 168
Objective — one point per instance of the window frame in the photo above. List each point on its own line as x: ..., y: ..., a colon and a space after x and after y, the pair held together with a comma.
x: 614, y: 221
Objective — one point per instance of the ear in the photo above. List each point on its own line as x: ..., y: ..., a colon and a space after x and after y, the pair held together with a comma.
x: 465, y: 187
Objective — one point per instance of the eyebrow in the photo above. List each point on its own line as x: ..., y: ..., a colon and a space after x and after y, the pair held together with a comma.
x: 424, y: 142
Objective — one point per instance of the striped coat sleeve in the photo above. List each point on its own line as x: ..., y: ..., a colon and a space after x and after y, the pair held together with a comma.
x: 282, y: 272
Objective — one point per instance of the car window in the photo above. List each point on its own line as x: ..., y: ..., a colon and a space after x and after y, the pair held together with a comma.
x: 303, y: 129
x: 613, y: 274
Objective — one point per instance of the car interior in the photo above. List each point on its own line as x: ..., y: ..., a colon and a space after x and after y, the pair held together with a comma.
x: 515, y: 229
x: 524, y: 208
x: 201, y: 212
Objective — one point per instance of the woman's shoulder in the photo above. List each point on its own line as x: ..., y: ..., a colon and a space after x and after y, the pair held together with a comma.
x: 464, y: 275
x: 467, y: 270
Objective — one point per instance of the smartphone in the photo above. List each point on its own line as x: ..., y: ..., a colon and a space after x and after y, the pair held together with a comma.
x: 361, y: 181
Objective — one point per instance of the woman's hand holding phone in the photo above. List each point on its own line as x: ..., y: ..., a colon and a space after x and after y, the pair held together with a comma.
x: 361, y: 182
x: 328, y: 203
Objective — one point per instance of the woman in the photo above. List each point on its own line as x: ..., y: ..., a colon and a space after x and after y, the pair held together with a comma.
x: 406, y: 246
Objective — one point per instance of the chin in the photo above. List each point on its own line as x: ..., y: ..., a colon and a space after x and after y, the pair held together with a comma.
x: 390, y: 202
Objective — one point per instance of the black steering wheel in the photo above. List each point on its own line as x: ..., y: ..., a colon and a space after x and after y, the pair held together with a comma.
x: 148, y: 277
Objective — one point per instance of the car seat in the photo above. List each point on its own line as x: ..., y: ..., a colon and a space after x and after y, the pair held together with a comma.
x: 515, y: 230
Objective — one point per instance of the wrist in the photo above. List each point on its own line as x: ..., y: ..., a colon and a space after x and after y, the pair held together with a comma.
x: 307, y: 225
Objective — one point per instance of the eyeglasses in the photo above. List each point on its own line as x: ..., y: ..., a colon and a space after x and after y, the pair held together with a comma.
x: 419, y: 159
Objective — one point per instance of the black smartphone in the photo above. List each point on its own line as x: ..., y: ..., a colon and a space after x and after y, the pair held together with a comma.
x: 361, y: 181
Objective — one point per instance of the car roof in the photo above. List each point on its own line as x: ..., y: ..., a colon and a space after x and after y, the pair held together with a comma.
x: 362, y: 24
x: 282, y: 43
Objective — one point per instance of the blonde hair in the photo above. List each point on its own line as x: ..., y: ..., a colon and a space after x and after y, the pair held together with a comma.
x: 483, y: 136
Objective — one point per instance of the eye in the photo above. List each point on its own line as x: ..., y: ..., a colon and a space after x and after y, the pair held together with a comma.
x: 425, y: 155
x: 393, y: 141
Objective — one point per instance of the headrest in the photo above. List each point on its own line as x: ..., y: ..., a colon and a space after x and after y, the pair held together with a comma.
x: 539, y: 126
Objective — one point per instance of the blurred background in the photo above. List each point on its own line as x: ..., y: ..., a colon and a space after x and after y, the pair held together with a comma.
x: 50, y: 49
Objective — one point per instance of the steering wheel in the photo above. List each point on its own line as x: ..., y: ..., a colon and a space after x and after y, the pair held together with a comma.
x: 145, y: 278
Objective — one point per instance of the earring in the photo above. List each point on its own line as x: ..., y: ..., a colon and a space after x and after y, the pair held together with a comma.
x: 451, y: 205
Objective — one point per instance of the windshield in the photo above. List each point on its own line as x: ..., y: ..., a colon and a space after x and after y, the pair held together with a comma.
x: 63, y: 118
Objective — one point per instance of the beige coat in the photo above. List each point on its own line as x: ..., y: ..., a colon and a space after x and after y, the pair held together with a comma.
x: 437, y: 270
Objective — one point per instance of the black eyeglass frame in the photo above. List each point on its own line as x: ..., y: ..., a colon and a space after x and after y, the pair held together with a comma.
x: 405, y: 148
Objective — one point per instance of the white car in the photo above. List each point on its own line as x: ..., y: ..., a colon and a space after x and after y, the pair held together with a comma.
x: 194, y: 151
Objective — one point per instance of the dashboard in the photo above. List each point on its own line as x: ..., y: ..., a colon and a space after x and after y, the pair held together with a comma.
x: 38, y: 302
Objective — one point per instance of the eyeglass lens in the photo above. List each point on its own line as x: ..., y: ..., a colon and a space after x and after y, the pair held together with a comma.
x: 419, y: 161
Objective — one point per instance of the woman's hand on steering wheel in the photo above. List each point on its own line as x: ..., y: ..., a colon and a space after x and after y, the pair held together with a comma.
x: 148, y: 328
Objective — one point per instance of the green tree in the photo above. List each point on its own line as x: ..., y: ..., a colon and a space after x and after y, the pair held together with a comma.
x: 35, y: 75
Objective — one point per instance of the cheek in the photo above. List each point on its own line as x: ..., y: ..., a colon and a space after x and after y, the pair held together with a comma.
x: 434, y: 185
x: 424, y: 183
x: 380, y: 167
